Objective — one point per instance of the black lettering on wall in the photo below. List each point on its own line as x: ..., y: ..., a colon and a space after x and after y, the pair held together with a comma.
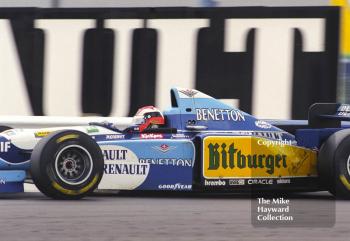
x: 98, y: 59
x: 218, y: 73
x: 143, y: 74
x: 224, y: 75
x: 30, y: 47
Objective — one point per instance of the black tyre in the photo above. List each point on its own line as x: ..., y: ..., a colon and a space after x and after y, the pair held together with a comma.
x: 334, y: 164
x: 67, y: 164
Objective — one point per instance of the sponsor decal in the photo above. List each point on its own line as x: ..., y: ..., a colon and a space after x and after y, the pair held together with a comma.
x: 271, y: 135
x: 92, y: 129
x: 122, y: 168
x: 114, y: 137
x: 188, y: 92
x: 180, y: 136
x: 236, y: 182
x: 260, y: 181
x: 214, y: 182
x: 283, y: 181
x: 5, y: 146
x: 263, y: 124
x: 114, y: 154
x: 232, y: 157
x: 219, y: 115
x: 41, y: 133
x: 344, y: 110
x: 176, y: 186
x: 130, y: 169
x: 168, y: 161
x: 151, y: 136
x: 345, y: 114
x: 164, y: 148
x: 120, y: 160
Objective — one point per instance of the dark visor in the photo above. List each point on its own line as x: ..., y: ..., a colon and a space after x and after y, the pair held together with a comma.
x: 152, y: 114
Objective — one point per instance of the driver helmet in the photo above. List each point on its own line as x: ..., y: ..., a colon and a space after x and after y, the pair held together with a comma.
x: 148, y: 116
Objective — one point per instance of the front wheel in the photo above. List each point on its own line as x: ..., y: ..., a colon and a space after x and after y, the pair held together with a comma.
x: 67, y: 164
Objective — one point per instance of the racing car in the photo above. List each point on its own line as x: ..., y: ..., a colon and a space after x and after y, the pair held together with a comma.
x: 199, y: 144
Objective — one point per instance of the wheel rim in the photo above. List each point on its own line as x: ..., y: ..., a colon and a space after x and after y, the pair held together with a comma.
x: 73, y: 164
x: 348, y: 165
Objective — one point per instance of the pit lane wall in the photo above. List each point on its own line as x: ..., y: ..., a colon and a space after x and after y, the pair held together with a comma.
x: 272, y: 62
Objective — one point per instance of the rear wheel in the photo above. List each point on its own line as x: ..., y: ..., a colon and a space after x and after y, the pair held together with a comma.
x: 67, y: 165
x: 334, y: 164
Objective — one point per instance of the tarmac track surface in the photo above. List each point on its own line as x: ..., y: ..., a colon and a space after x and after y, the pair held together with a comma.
x: 149, y: 216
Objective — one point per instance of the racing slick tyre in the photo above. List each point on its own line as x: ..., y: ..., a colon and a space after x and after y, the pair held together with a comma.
x: 67, y: 164
x: 334, y: 164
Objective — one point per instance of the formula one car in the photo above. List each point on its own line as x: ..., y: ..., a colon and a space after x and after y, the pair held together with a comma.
x: 199, y: 144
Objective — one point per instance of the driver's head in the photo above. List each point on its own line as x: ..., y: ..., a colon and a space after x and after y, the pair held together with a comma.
x: 147, y: 116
